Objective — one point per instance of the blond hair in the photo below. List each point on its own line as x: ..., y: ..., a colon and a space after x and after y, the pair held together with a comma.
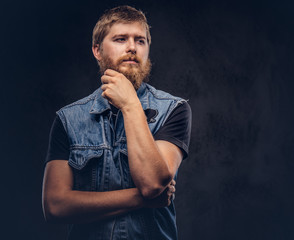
x: 121, y: 14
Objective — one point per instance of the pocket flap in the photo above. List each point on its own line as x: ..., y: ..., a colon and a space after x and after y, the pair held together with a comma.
x: 123, y: 148
x: 79, y: 158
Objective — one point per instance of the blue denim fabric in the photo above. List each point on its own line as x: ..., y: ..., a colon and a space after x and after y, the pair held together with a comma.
x: 99, y: 159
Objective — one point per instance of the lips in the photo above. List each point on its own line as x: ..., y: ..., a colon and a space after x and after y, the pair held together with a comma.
x: 130, y: 60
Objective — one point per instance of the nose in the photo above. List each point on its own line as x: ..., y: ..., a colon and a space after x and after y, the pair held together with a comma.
x: 131, y: 47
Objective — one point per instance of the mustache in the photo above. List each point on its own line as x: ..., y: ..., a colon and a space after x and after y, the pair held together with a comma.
x: 129, y: 57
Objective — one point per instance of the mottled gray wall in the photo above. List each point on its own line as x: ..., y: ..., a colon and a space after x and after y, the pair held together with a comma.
x: 233, y: 60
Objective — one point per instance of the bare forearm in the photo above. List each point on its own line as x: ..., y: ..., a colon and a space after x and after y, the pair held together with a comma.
x: 81, y: 207
x: 148, y: 168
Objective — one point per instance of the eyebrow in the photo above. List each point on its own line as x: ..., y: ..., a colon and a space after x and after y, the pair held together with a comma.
x: 127, y: 35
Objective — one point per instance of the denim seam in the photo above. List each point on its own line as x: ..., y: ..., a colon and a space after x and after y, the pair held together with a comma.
x: 103, y: 129
x: 103, y: 173
x: 94, y: 175
x: 85, y: 159
x: 92, y: 147
x: 81, y: 101
x: 171, y: 108
x: 166, y: 97
x: 122, y: 183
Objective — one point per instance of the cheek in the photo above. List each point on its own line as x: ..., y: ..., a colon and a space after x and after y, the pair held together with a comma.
x: 144, y: 53
x: 114, y: 51
x: 111, y: 50
x: 144, y: 58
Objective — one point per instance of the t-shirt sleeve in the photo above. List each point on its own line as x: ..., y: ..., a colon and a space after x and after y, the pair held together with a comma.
x: 177, y: 128
x: 58, y: 148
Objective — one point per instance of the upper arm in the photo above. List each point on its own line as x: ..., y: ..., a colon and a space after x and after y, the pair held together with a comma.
x: 173, y: 137
x: 58, y: 175
x: 59, y: 146
x: 171, y: 154
x: 58, y: 178
x: 177, y: 128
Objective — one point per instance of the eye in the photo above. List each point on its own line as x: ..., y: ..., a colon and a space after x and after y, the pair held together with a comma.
x: 120, y: 40
x: 141, y: 41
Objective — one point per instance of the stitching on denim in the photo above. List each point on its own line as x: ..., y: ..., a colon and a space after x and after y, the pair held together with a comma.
x: 81, y: 101
x: 122, y: 138
x: 168, y: 96
x: 90, y: 147
x: 122, y: 182
x: 103, y: 173
x: 103, y: 129
x: 85, y: 162
x: 171, y: 108
x: 123, y: 151
x: 93, y: 187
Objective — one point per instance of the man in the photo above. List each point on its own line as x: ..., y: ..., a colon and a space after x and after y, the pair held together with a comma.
x: 113, y: 155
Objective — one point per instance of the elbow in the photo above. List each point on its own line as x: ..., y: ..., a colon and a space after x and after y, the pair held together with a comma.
x: 151, y: 192
x: 52, y: 211
x: 51, y: 214
x: 155, y: 189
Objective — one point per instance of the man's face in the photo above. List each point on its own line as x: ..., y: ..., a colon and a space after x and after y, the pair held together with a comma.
x: 125, y: 49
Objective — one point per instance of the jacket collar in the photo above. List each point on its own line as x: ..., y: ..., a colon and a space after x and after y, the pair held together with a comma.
x: 101, y: 105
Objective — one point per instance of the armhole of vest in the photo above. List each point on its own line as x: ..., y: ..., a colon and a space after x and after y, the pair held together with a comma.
x: 178, y: 102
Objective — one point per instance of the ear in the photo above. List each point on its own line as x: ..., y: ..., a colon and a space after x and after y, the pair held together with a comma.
x: 96, y: 52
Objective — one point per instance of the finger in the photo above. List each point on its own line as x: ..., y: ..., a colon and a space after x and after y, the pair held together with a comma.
x: 171, y: 189
x: 110, y: 72
x: 173, y: 182
x: 173, y: 197
x: 104, y: 87
x: 106, y: 79
x: 104, y: 94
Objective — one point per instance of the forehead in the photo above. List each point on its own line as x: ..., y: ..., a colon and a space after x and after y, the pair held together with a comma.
x: 131, y: 29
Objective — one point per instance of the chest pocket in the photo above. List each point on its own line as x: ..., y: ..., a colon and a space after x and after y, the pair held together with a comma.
x: 84, y: 164
x: 94, y: 170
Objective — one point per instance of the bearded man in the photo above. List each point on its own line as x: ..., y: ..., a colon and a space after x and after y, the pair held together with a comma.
x: 113, y: 156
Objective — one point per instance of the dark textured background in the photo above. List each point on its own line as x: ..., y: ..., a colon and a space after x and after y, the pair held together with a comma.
x: 232, y: 59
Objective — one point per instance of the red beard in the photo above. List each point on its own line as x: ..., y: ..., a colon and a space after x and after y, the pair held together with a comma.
x: 136, y: 73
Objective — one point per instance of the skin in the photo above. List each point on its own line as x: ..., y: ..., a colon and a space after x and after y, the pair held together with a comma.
x: 153, y: 164
x: 61, y: 204
x: 123, y: 39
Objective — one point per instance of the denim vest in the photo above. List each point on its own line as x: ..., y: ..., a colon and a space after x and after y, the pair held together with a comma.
x: 99, y: 159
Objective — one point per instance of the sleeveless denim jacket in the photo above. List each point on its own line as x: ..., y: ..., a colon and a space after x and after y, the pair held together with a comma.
x: 99, y: 159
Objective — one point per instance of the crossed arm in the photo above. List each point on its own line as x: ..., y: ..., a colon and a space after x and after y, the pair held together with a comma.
x: 158, y: 159
x: 64, y: 205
